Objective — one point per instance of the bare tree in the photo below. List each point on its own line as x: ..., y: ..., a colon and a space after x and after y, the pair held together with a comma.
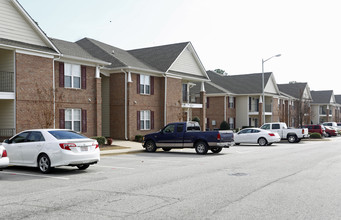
x: 302, y: 110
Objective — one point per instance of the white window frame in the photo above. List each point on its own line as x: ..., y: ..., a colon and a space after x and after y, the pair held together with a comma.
x: 231, y: 122
x: 145, y: 84
x: 73, y: 119
x: 231, y: 102
x: 145, y: 120
x: 74, y: 72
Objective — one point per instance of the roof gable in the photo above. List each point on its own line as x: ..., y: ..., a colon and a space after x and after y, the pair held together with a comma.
x: 323, y: 97
x: 245, y: 83
x: 17, y: 26
x: 296, y: 90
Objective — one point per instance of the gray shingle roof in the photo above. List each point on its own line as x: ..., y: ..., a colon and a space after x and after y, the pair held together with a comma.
x: 338, y: 99
x: 321, y: 97
x: 26, y: 45
x: 120, y: 58
x: 240, y: 84
x: 293, y: 89
x: 208, y: 88
x: 72, y: 49
x: 160, y: 57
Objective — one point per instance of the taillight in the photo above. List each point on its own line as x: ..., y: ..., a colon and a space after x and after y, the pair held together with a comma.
x: 272, y: 134
x: 96, y: 145
x: 4, y: 153
x: 218, y: 137
x: 67, y: 146
x: 302, y: 131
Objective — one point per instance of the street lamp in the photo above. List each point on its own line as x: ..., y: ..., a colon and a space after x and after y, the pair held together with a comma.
x: 263, y: 61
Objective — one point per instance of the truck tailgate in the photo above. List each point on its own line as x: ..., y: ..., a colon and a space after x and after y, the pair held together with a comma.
x: 226, y: 136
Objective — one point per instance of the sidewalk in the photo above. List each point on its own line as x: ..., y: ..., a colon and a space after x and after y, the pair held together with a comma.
x: 122, y: 147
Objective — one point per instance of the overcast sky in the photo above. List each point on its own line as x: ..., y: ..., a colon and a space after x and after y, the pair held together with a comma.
x: 233, y: 35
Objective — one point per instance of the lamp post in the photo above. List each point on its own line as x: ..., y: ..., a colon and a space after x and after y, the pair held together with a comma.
x: 263, y: 97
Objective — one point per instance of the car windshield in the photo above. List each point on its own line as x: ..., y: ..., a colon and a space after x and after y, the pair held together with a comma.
x: 62, y: 134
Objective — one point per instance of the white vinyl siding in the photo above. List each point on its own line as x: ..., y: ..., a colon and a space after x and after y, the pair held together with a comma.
x: 145, y: 120
x: 15, y: 27
x: 7, y: 114
x: 186, y: 63
x: 73, y: 119
x: 105, y: 106
x: 72, y: 74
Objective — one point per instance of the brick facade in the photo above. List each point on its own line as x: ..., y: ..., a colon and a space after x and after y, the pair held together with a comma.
x: 34, y: 83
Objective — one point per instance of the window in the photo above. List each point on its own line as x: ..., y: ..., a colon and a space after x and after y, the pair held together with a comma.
x: 145, y: 120
x: 231, y: 102
x: 35, y: 136
x: 20, y: 138
x: 60, y: 135
x: 231, y: 122
x: 73, y: 119
x: 180, y: 128
x: 169, y: 129
x: 72, y: 76
x: 144, y: 84
x: 275, y: 126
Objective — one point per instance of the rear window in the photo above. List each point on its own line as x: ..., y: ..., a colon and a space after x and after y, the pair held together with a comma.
x: 60, y: 135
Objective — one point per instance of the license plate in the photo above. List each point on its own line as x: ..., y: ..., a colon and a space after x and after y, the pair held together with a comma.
x: 84, y: 148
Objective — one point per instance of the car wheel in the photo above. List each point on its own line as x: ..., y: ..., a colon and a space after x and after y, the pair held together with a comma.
x: 298, y: 140
x: 292, y: 138
x: 237, y: 144
x: 216, y: 150
x: 201, y: 147
x: 150, y: 146
x: 262, y: 142
x: 83, y: 166
x: 44, y: 163
x: 166, y: 148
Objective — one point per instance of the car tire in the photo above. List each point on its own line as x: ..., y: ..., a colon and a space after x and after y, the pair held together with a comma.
x: 292, y: 138
x: 150, y: 146
x: 269, y: 144
x: 237, y: 144
x: 201, y: 147
x: 262, y: 142
x: 44, y: 164
x: 216, y: 150
x: 83, y: 166
x: 166, y: 148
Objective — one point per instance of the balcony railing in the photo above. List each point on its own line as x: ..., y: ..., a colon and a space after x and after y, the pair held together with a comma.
x: 7, y: 132
x: 6, y: 81
x: 324, y: 112
x: 255, y: 108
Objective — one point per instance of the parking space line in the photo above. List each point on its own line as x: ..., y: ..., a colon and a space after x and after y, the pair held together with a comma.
x: 43, y: 176
x: 129, y: 168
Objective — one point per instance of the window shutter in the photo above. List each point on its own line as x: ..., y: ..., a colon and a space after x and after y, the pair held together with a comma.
x: 61, y: 74
x: 138, y: 83
x: 152, y: 119
x: 234, y: 123
x: 250, y: 103
x: 228, y: 102
x: 62, y: 118
x: 208, y: 124
x: 138, y: 121
x: 83, y: 77
x: 207, y: 102
x: 234, y: 102
x: 152, y: 85
x: 84, y: 121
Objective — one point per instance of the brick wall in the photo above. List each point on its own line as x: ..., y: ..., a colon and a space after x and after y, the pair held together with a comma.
x: 88, y: 99
x: 174, y: 100
x: 34, y: 78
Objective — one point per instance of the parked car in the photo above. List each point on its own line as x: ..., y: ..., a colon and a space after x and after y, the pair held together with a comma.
x: 291, y: 134
x: 330, y: 131
x: 4, y: 161
x: 316, y: 129
x: 333, y: 125
x: 256, y: 136
x: 188, y: 135
x: 49, y: 148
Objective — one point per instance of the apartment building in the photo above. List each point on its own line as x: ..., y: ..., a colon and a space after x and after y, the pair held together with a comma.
x: 324, y: 107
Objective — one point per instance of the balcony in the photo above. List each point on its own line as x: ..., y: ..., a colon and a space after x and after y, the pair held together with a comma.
x: 6, y: 133
x: 6, y: 81
x: 255, y: 108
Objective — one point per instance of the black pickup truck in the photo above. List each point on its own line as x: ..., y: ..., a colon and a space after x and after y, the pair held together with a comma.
x: 188, y: 135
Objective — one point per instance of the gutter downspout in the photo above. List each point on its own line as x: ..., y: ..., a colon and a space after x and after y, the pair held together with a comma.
x: 54, y: 91
x: 165, y: 107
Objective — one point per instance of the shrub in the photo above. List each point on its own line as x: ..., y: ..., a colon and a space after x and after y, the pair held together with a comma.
x: 100, y: 140
x: 139, y: 138
x: 196, y: 119
x: 224, y: 125
x: 109, y: 141
x: 315, y: 135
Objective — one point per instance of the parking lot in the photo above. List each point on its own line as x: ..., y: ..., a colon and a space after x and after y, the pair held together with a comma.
x: 244, y: 182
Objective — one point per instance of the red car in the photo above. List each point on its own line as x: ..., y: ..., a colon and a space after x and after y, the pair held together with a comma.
x: 330, y: 131
x: 316, y: 129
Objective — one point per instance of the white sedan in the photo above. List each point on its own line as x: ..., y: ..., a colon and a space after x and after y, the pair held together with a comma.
x: 256, y: 136
x: 3, y: 158
x: 49, y: 148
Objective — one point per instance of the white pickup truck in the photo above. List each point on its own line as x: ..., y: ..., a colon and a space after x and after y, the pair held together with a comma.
x: 293, y: 135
